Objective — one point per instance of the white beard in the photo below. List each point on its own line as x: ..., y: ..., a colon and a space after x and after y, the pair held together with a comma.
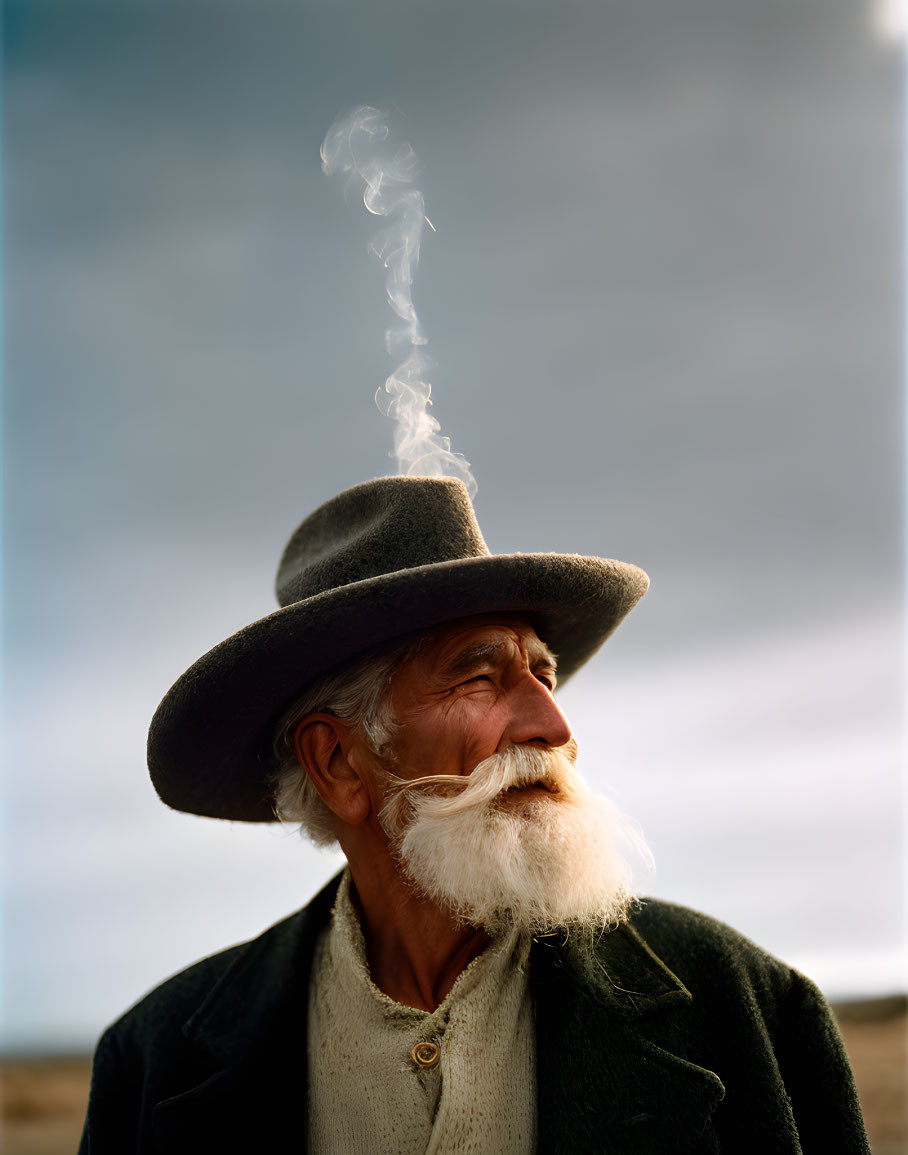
x: 536, y: 861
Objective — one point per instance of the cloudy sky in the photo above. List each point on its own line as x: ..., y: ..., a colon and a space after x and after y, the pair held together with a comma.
x: 664, y: 303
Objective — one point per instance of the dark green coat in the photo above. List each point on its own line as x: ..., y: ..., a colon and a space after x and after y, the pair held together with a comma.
x: 676, y: 1035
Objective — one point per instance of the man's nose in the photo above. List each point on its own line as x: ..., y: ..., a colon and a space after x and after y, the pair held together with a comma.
x: 535, y: 716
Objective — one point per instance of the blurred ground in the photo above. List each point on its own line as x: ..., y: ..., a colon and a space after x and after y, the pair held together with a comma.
x: 876, y: 1035
x: 43, y: 1100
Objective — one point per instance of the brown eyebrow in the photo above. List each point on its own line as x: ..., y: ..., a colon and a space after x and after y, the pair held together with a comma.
x: 472, y: 656
x: 540, y: 655
x: 479, y: 652
x: 539, y: 652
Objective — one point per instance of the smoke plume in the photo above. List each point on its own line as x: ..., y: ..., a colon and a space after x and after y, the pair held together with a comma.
x: 359, y: 145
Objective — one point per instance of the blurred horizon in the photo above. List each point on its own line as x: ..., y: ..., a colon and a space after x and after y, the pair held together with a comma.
x: 665, y: 303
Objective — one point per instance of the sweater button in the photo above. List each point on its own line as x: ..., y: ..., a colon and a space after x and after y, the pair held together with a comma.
x: 425, y: 1054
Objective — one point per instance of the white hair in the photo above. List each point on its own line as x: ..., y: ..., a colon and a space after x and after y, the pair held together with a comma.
x: 358, y: 693
x: 496, y: 858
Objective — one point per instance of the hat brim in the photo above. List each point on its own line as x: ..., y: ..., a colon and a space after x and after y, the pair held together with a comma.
x: 210, y: 738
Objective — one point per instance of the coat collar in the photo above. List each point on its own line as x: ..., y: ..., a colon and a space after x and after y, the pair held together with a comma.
x: 250, y: 1035
x: 608, y: 1078
x: 605, y: 1080
x: 265, y: 990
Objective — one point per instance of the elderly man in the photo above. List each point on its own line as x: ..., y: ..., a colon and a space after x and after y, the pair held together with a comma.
x: 480, y: 978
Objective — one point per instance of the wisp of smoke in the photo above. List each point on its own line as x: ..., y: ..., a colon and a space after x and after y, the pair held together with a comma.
x: 359, y: 145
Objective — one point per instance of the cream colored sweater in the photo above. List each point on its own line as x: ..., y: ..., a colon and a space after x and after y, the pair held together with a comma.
x: 367, y: 1095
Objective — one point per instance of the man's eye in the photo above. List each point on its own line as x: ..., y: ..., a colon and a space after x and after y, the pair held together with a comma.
x: 477, y: 678
x: 547, y: 680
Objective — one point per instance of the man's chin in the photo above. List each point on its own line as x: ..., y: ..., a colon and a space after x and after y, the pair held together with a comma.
x: 529, y: 860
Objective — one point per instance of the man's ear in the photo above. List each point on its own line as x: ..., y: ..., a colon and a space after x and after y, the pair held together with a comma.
x: 320, y: 742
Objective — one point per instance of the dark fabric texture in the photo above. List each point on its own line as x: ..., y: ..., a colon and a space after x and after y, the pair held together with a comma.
x: 377, y: 562
x: 675, y: 1034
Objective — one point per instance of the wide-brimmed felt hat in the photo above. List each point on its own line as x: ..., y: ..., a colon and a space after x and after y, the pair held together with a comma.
x: 380, y: 560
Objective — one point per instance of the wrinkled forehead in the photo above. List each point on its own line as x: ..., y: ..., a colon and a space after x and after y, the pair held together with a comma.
x: 451, y: 642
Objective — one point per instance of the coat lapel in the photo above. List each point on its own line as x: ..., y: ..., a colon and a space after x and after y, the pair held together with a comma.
x: 250, y: 1035
x: 604, y: 1081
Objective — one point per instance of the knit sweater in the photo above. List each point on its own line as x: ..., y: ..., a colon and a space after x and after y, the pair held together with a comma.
x: 366, y: 1091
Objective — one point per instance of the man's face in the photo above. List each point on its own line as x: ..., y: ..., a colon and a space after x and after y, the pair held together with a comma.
x: 475, y: 688
x: 483, y: 806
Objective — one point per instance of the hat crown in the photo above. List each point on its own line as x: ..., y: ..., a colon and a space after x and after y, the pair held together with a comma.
x: 379, y: 527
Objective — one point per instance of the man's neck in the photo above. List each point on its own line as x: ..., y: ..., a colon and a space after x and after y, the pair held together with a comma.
x: 415, y: 949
